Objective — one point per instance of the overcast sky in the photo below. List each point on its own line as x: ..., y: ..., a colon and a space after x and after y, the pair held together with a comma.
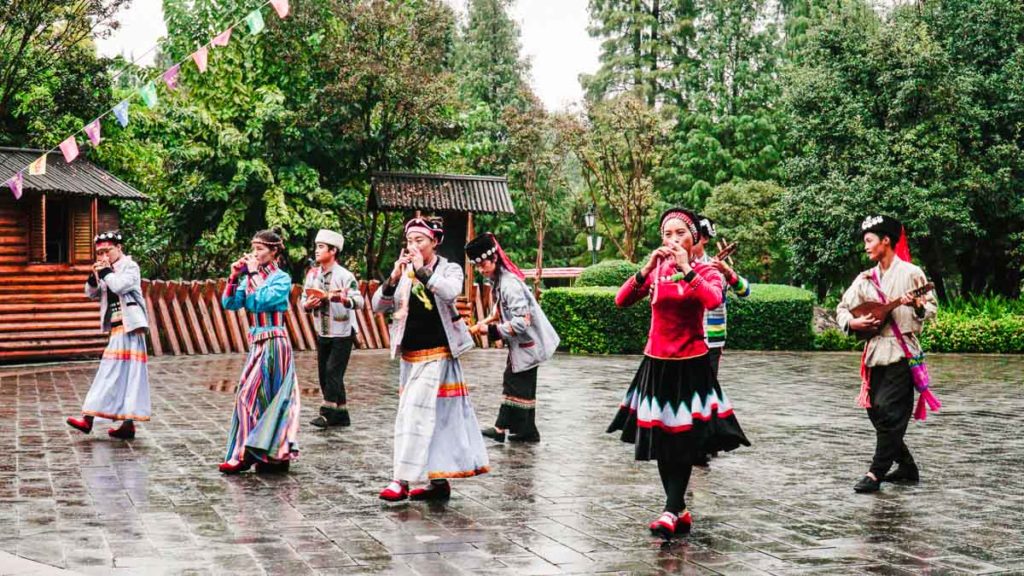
x: 554, y: 38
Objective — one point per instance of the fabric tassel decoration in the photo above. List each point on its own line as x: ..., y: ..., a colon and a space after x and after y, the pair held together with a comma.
x: 902, y: 247
x: 864, y: 398
x: 922, y: 380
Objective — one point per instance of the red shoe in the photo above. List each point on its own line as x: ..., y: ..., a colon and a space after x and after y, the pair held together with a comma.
x: 664, y: 525
x: 432, y: 491
x: 125, y: 432
x: 242, y: 466
x: 395, y: 491
x: 83, y: 425
x: 685, y: 523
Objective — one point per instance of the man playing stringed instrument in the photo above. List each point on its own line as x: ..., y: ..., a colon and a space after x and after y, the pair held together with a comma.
x: 893, y: 353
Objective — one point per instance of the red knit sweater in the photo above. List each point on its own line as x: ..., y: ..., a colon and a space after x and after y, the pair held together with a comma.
x: 677, y: 309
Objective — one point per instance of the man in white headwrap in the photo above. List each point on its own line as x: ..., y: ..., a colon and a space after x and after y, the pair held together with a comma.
x: 332, y: 294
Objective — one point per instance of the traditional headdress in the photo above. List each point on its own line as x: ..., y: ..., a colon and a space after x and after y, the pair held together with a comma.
x: 485, y: 247
x: 891, y: 227
x: 688, y: 218
x: 331, y: 238
x: 110, y: 236
x: 433, y: 228
x: 707, y: 227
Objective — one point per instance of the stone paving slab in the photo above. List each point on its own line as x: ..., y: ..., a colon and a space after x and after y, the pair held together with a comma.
x: 574, y: 504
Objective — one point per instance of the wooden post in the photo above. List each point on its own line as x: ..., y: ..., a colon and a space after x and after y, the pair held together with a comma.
x: 94, y: 222
x: 183, y: 292
x: 205, y: 322
x: 211, y: 298
x: 179, y: 318
x: 154, y: 324
x: 305, y: 320
x: 165, y: 316
x: 238, y: 337
x: 469, y: 268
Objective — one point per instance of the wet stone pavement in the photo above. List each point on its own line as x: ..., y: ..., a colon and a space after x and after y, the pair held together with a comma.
x: 575, y: 503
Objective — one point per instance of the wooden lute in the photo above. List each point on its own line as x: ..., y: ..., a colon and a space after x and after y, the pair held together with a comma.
x: 882, y: 311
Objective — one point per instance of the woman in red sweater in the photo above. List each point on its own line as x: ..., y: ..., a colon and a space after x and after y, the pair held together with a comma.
x: 674, y: 408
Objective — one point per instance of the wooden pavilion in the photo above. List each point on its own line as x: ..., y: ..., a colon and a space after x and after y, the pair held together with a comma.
x: 46, y: 252
x: 453, y: 197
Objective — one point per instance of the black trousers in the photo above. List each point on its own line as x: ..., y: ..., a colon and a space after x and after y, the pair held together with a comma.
x: 892, y: 404
x: 518, y: 410
x: 715, y: 355
x: 332, y: 355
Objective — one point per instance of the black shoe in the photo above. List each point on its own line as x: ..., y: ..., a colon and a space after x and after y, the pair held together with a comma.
x: 535, y: 437
x: 272, y: 467
x: 905, y: 474
x: 338, y: 417
x: 493, y: 434
x: 867, y: 485
x: 702, y: 460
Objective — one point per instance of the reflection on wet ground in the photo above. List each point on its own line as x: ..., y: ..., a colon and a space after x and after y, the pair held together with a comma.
x: 575, y: 503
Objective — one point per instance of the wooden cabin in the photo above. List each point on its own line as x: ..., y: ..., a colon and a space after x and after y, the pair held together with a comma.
x: 455, y: 198
x: 46, y: 253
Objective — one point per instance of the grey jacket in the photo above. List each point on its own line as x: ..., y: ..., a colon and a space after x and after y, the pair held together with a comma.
x: 524, y: 327
x: 340, y: 319
x: 126, y: 283
x: 446, y: 284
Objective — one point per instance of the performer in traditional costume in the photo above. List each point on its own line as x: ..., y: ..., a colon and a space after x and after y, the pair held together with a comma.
x: 892, y: 364
x: 437, y: 436
x: 332, y: 295
x: 674, y: 409
x: 525, y: 329
x: 120, y: 389
x: 715, y: 319
x: 265, y: 423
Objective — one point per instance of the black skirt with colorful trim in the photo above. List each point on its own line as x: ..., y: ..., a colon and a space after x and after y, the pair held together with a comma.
x: 675, y: 410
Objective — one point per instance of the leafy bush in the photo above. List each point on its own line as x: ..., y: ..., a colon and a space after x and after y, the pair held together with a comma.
x: 607, y: 273
x: 773, y: 317
x: 833, y: 340
x: 958, y: 332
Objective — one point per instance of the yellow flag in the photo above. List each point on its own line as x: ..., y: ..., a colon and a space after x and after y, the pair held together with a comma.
x: 38, y: 168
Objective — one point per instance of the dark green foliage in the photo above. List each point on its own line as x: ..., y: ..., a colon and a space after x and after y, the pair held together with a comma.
x: 773, y: 317
x: 607, y: 273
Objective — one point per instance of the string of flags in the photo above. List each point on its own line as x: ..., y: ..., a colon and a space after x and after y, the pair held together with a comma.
x: 147, y: 92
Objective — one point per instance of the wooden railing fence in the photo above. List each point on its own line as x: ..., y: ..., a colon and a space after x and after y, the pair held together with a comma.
x: 186, y: 318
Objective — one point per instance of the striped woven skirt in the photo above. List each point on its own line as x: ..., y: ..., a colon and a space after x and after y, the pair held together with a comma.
x: 265, y: 424
x: 436, y: 431
x: 675, y: 410
x: 120, y: 389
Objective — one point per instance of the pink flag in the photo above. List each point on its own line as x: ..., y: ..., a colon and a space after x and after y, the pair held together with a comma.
x: 281, y: 6
x: 171, y: 76
x: 92, y: 130
x: 70, y: 149
x: 199, y: 57
x: 16, y: 183
x: 222, y: 38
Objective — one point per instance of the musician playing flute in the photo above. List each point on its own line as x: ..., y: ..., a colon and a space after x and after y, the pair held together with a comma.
x: 437, y: 436
x: 887, y: 385
x: 529, y: 336
x: 714, y: 319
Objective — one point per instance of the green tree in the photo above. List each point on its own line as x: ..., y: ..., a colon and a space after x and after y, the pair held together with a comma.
x: 51, y: 82
x: 618, y: 143
x: 646, y: 45
x: 747, y: 212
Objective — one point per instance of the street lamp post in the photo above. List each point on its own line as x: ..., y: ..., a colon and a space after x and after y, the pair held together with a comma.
x: 593, y: 240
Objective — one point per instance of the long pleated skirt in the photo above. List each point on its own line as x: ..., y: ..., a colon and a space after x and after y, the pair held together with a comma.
x: 675, y: 410
x: 120, y: 389
x: 436, y: 431
x: 265, y: 424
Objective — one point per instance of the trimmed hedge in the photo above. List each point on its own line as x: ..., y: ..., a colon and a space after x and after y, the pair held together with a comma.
x: 773, y: 317
x: 951, y: 333
x: 607, y: 273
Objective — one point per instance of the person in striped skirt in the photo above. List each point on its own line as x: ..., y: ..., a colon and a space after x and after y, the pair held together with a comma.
x: 120, y: 390
x: 265, y: 422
